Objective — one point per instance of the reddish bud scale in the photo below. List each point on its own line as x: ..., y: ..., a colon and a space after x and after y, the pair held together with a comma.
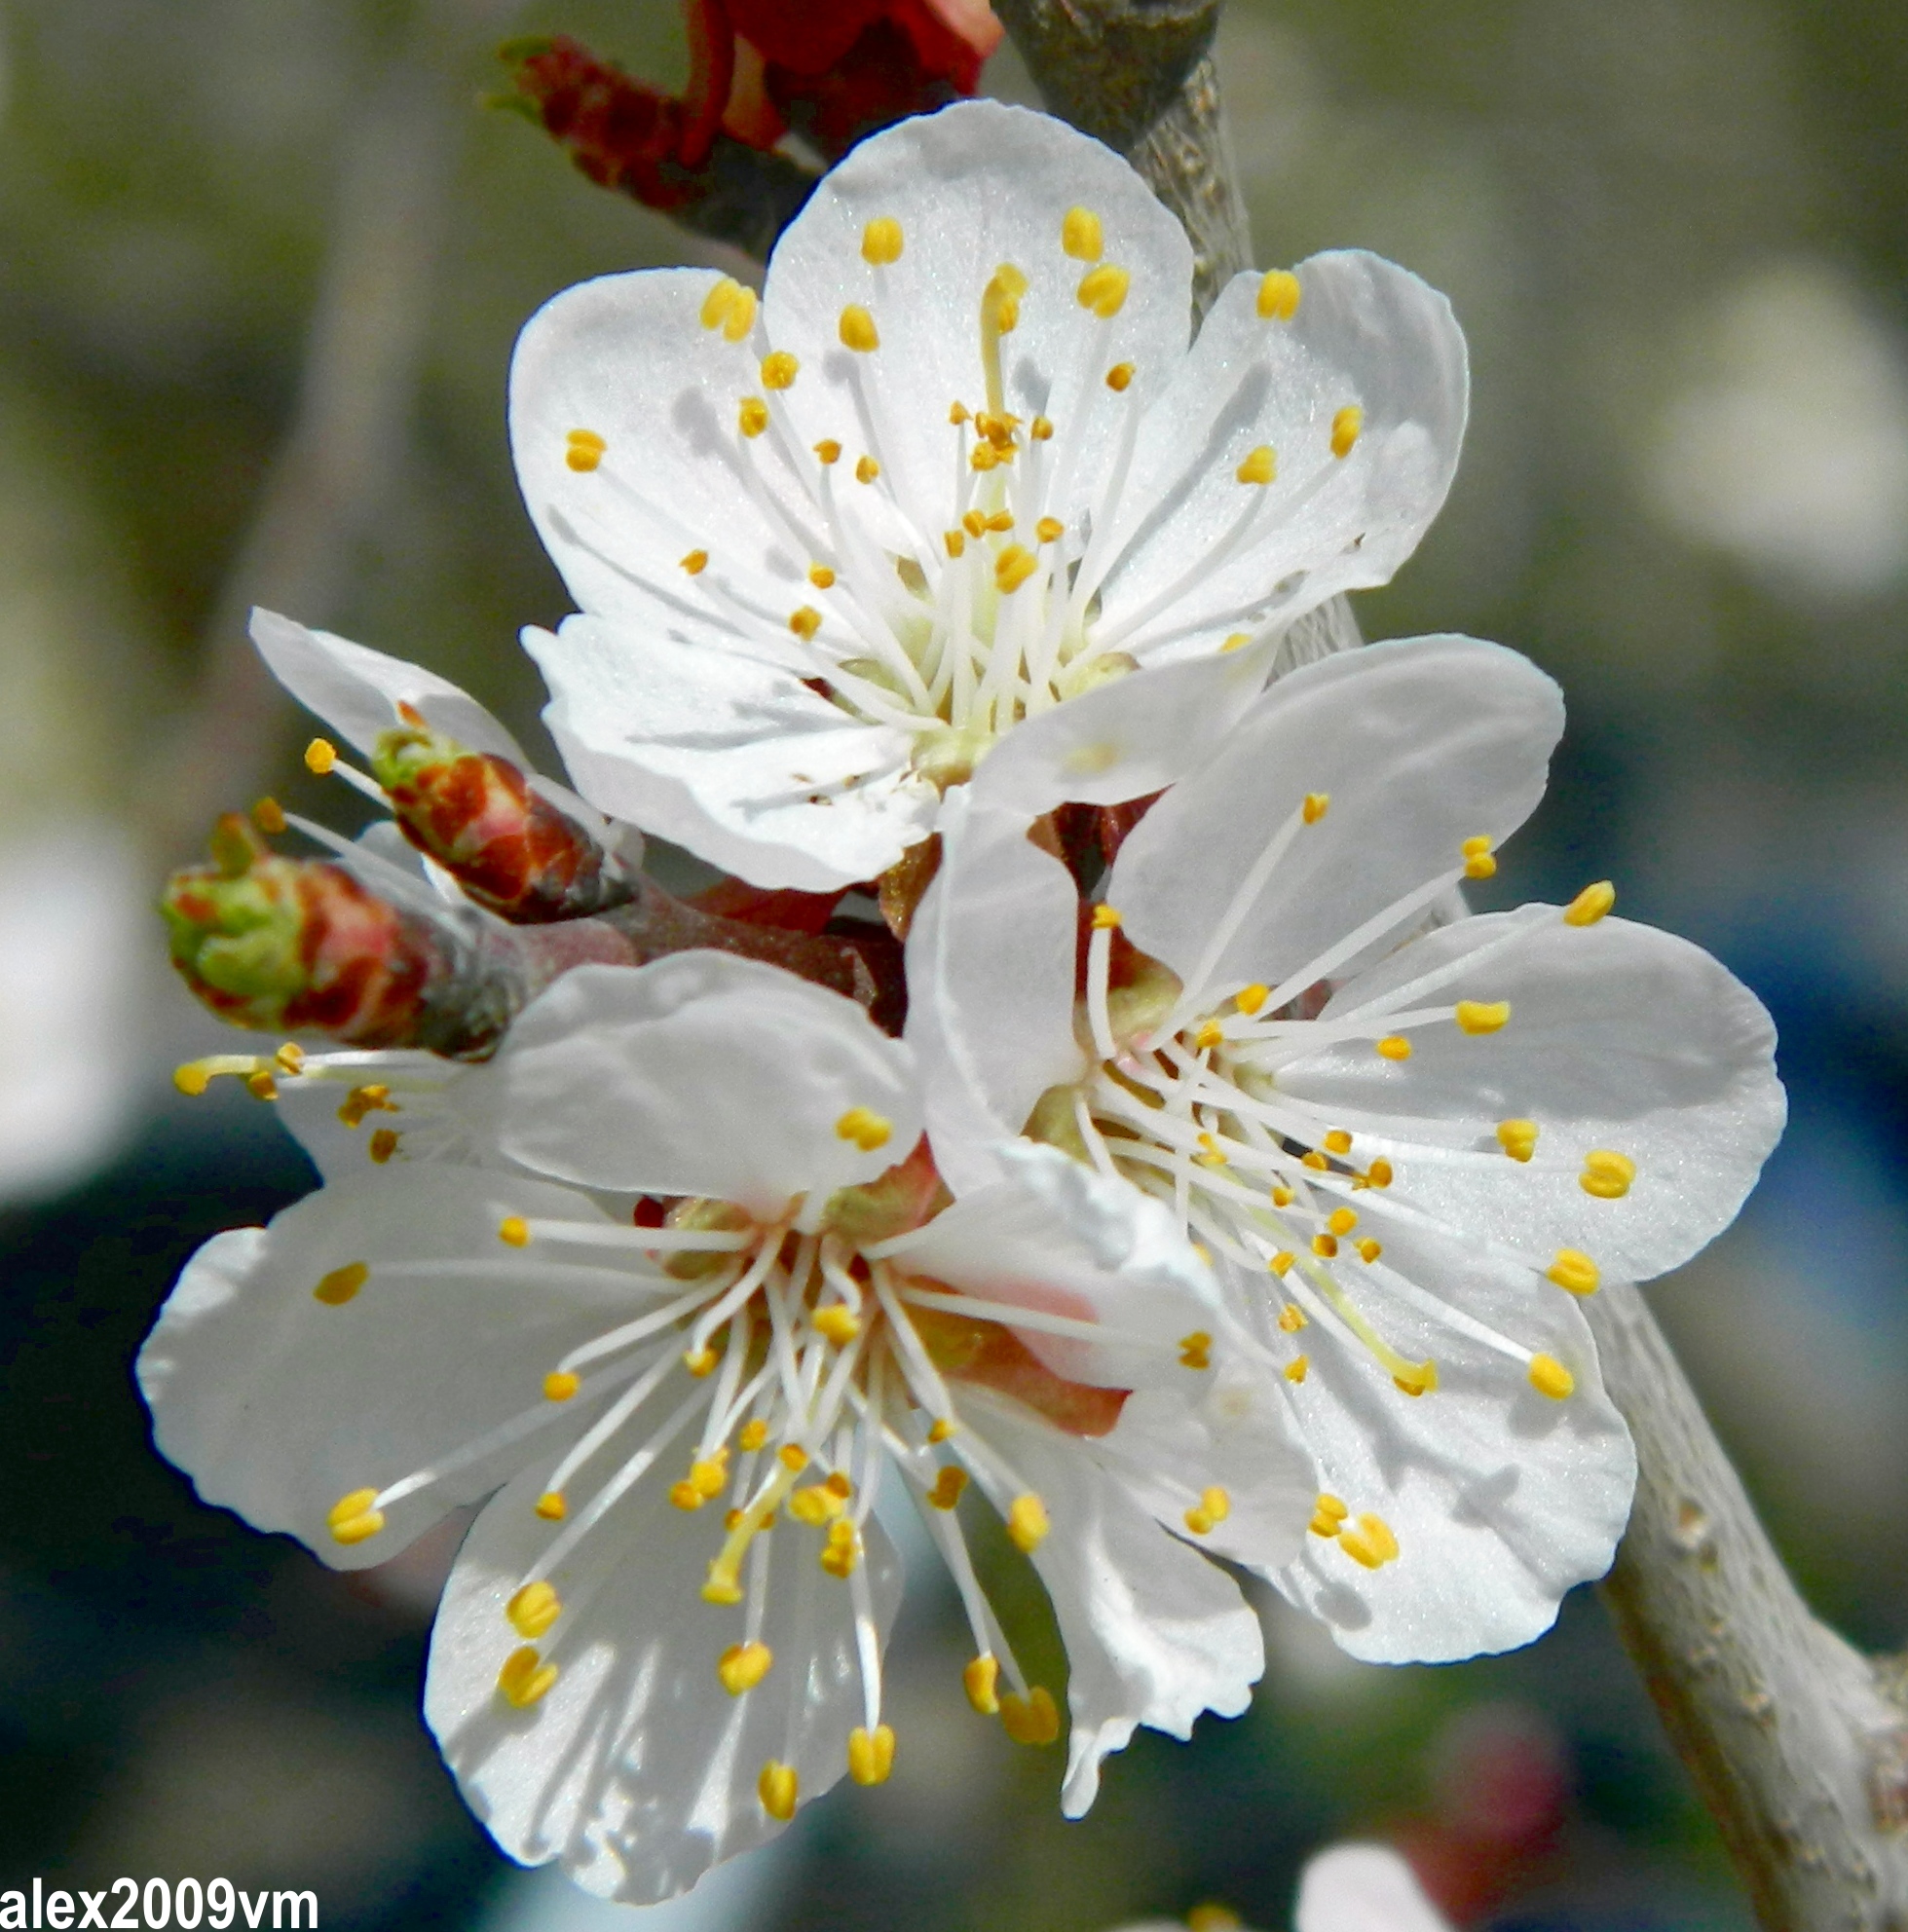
x: 619, y: 132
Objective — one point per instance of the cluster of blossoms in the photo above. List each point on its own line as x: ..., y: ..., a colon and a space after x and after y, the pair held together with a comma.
x: 1193, y: 1186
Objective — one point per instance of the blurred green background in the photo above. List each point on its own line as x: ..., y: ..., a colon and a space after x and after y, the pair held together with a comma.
x: 264, y: 263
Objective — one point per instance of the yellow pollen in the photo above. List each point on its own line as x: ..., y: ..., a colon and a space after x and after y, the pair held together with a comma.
x: 1040, y: 429
x: 792, y: 1456
x: 1573, y: 1270
x: 776, y: 1787
x: 837, y: 1484
x: 1026, y: 1523
x: 1102, y: 290
x: 730, y: 307
x: 1214, y: 1506
x: 1378, y: 1174
x: 943, y: 1428
x: 1295, y: 1368
x: 686, y: 1495
x: 754, y: 1434
x: 384, y: 1144
x: 559, y: 1385
x: 1327, y: 1516
x: 840, y: 1324
x: 1080, y: 235
x: 1345, y: 427
x: 700, y: 1361
x: 1248, y: 999
x: 978, y: 1677
x: 1479, y: 1015
x: 829, y: 450
x: 956, y: 542
x: 1013, y: 567
x: 1001, y: 521
x: 881, y: 241
x: 753, y: 415
x: 261, y: 1085
x: 958, y: 414
x: 269, y: 816
x: 551, y: 1506
x: 986, y: 457
x: 1316, y: 1161
x: 805, y: 622
x: 975, y: 524
x: 1210, y: 1034
x: 1342, y: 1220
x: 1279, y: 294
x: 1478, y: 861
x: 1260, y: 466
x: 1282, y: 1196
x: 842, y: 1551
x: 320, y: 755
x: 1605, y: 1175
x: 871, y: 1754
x: 779, y: 370
x: 1325, y: 1246
x: 513, y: 1231
x: 858, y: 331
x: 697, y: 562
x: 1292, y: 1318
x: 1591, y: 904
x: 865, y: 470
x: 363, y: 1100
x: 948, y: 1487
x: 341, y: 1284
x: 821, y: 577
x: 1421, y: 1380
x: 742, y: 1667
x: 525, y: 1677
x: 1369, y: 1543
x: 1104, y: 918
x: 1000, y: 313
x: 1393, y: 1046
x: 1368, y: 1249
x: 1032, y: 1719
x: 1050, y: 530
x: 710, y: 1473
x: 1119, y: 377
x: 1517, y: 1138
x: 583, y: 450
x: 290, y: 1058
x: 1196, y: 1350
x: 1317, y: 804
x: 1337, y: 1141
x: 353, y: 1517
x: 534, y: 1610
x: 1548, y: 1377
x: 867, y: 1129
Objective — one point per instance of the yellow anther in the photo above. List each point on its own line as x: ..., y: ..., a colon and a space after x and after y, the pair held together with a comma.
x: 1217, y: 1504
x: 1292, y: 1318
x: 1573, y: 1270
x: 978, y: 1677
x: 269, y: 816
x: 1337, y: 1141
x: 1368, y: 1249
x: 1345, y: 427
x: 686, y: 1495
x: 1119, y: 377
x: 1103, y: 290
x: 829, y: 450
x: 1548, y: 1377
x: 320, y: 755
x: 354, y: 1518
x: 1478, y: 861
x: 843, y: 1550
x: 858, y: 331
x: 513, y: 1231
x: 958, y: 414
x: 534, y: 1610
x: 290, y: 1058
x: 865, y: 470
x: 986, y: 457
x: 752, y: 418
x: 1280, y: 1194
x: 871, y: 1754
x: 1013, y: 567
x: 1080, y: 235
x: 1324, y: 1522
x: 1379, y: 1174
x: 776, y: 1787
x: 1342, y: 1220
x: 1606, y: 1174
x: 1212, y: 1919
x: 1032, y: 1719
x: 944, y: 1427
x: 805, y: 622
x: 956, y: 542
x: 742, y: 1667
x: 1026, y: 1523
x: 821, y: 577
x: 837, y: 1484
x: 710, y: 1473
x: 1591, y: 904
x: 1295, y: 1368
x: 838, y: 1323
x: 949, y: 1485
x: 1370, y: 1543
x: 700, y: 1361
x: 1420, y: 1381
x: 867, y: 1129
x: 525, y: 1677
x: 1325, y: 1246
x: 755, y: 1432
x: 1104, y: 917
x: 1050, y: 530
x: 1196, y: 1350
x: 1204, y: 1252
x: 1040, y: 429
x: 1279, y: 294
x: 792, y: 1456
x: 582, y: 450
x: 1199, y: 1521
x: 1260, y: 466
x: 720, y: 299
x: 341, y: 1284
x: 1517, y: 1138
x: 779, y: 370
x: 975, y: 524
x: 560, y: 1383
x: 697, y: 562
x: 740, y: 318
x: 1331, y: 1507
x: 881, y: 241
x: 551, y: 1506
x: 1210, y: 1034
x: 1238, y: 641
x: 1480, y: 1016
x: 363, y: 1100
x: 1317, y: 804
x: 384, y: 1144
x: 1248, y: 999
x: 1316, y: 1161
x: 1001, y: 521
x: 261, y: 1085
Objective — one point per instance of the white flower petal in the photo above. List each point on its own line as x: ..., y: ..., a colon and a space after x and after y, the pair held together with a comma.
x: 1418, y: 744
x: 1367, y: 335
x: 1363, y: 1889
x: 991, y: 987
x: 637, y: 1768
x: 356, y: 690
x: 1501, y: 1499
x: 699, y: 736
x: 702, y: 1074
x: 973, y: 186
x: 1154, y: 1633
x: 277, y: 1404
x: 1620, y: 1037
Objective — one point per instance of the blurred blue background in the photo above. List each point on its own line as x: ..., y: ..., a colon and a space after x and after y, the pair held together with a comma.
x: 265, y: 262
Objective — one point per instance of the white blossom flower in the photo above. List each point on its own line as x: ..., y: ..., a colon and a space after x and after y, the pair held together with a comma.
x: 1411, y: 1154
x: 621, y: 1677
x: 958, y: 473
